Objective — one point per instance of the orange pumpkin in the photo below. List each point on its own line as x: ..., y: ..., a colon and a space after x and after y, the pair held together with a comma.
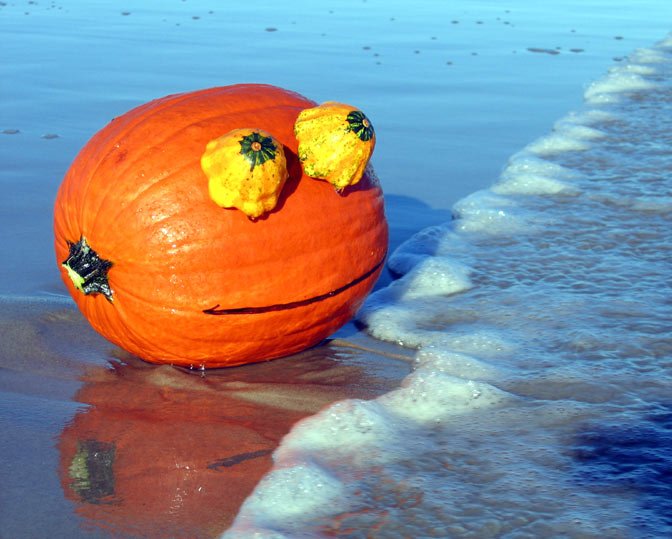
x: 160, y: 269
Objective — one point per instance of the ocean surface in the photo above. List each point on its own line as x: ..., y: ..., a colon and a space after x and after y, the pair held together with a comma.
x: 541, y: 400
x: 524, y: 150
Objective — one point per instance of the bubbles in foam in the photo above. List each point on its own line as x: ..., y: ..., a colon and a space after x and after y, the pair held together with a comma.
x: 441, y: 359
x: 403, y: 323
x: 567, y: 136
x: 390, y: 323
x: 572, y: 127
x: 437, y: 240
x: 481, y: 343
x: 529, y: 175
x: 429, y: 276
x: 591, y: 117
x: 624, y: 79
x: 608, y: 90
x: 487, y: 212
x: 647, y: 56
x: 666, y: 42
x: 286, y: 498
x: 426, y: 275
x: 557, y: 143
x: 526, y: 164
x: 429, y: 395
x: 637, y: 69
x: 521, y: 184
x: 342, y: 428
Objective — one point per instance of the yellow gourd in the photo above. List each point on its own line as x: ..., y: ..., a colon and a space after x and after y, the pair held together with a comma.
x: 246, y: 169
x: 335, y: 143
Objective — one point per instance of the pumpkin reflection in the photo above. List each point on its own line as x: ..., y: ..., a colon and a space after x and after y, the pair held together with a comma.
x: 162, y: 453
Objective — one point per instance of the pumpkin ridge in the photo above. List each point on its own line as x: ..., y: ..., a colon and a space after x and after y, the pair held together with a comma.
x: 162, y: 352
x: 128, y: 292
x: 140, y: 156
x: 117, y: 128
x: 124, y: 331
x: 124, y: 291
x: 140, y: 266
x: 125, y: 323
x: 298, y: 303
x: 132, y: 205
x: 145, y: 268
x: 129, y: 331
x: 119, y: 173
x: 126, y: 121
x: 102, y: 311
x: 63, y: 227
x: 117, y: 135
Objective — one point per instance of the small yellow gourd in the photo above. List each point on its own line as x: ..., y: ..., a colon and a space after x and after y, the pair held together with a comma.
x: 335, y: 143
x: 246, y: 169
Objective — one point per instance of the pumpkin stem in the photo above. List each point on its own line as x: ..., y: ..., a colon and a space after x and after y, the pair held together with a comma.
x: 87, y: 270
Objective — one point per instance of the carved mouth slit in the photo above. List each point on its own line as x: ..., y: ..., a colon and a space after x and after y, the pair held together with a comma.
x: 301, y: 303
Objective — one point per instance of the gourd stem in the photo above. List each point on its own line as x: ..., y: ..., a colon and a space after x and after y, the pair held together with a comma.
x: 87, y: 270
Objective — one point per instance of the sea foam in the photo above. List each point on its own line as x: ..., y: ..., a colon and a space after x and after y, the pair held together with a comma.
x: 624, y: 79
x: 527, y: 174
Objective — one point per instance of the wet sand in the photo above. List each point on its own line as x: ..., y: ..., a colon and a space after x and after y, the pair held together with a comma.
x: 103, y: 443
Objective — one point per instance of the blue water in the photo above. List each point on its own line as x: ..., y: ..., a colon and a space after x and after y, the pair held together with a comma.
x: 541, y: 401
x: 451, y: 86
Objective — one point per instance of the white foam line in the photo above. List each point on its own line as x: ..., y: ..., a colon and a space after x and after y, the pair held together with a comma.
x: 527, y: 174
x: 625, y: 79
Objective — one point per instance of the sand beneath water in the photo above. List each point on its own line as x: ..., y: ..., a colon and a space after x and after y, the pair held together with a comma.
x: 145, y: 450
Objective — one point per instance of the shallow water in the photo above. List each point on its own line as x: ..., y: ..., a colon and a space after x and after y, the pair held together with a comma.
x: 97, y: 443
x: 454, y: 90
x: 541, y: 403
